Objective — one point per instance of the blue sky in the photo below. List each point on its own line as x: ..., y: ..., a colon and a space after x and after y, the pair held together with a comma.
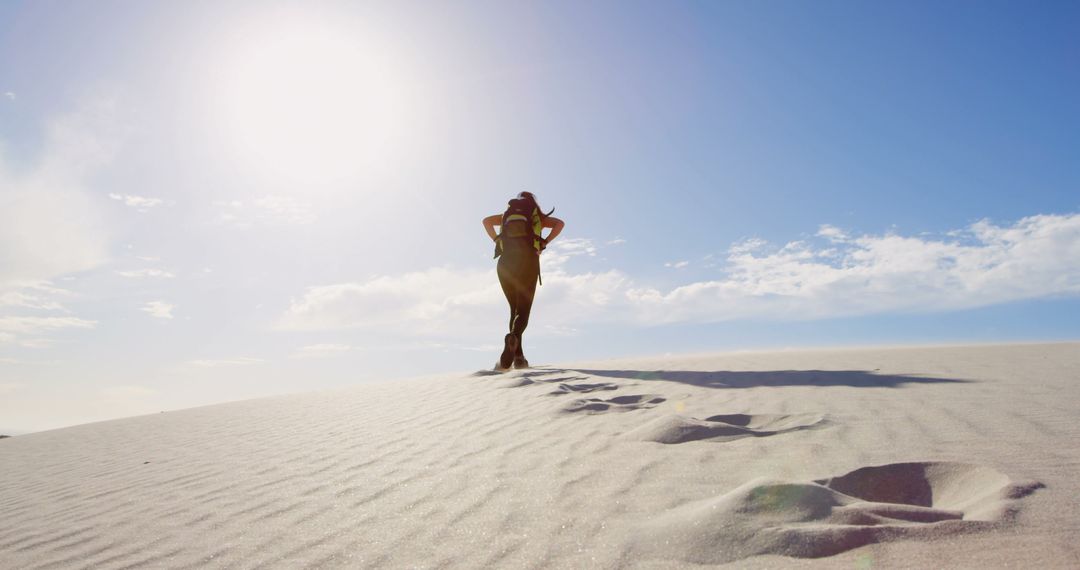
x: 212, y: 201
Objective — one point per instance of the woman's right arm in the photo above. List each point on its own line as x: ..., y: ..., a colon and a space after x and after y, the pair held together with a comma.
x: 489, y: 225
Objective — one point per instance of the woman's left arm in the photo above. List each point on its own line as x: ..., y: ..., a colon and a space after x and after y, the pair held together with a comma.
x: 556, y: 226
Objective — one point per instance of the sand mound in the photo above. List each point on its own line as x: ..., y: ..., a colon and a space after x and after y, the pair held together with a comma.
x: 829, y: 516
x: 681, y: 429
x: 975, y: 490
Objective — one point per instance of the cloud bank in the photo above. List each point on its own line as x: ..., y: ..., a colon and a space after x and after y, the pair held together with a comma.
x: 14, y: 328
x: 830, y: 275
x: 49, y: 221
x: 982, y: 265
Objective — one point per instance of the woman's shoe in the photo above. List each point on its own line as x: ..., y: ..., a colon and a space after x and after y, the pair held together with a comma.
x: 510, y: 345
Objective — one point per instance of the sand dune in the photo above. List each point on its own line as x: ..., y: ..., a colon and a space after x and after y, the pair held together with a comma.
x: 920, y: 457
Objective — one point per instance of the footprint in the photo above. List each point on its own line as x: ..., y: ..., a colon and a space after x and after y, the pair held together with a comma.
x: 526, y: 376
x: 535, y: 373
x: 582, y: 388
x: 812, y: 519
x: 558, y: 379
x: 616, y: 404
x: 519, y: 381
x: 545, y: 375
x: 725, y: 427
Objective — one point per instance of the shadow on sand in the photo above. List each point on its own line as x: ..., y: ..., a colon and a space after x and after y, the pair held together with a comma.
x: 726, y: 379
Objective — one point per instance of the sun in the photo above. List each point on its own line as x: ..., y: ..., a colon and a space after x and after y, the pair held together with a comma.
x: 308, y: 101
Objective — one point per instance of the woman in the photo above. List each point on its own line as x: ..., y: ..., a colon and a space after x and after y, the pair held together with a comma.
x: 518, y: 245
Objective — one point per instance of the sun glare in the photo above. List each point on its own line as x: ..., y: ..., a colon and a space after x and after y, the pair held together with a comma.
x: 309, y: 102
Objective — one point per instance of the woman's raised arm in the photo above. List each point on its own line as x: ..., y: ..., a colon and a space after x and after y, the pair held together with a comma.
x: 556, y: 226
x: 489, y: 225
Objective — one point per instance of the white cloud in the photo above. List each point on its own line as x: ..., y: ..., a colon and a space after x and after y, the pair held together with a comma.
x: 146, y: 273
x: 443, y: 302
x: 10, y: 95
x: 747, y: 246
x: 12, y: 327
x: 141, y: 204
x: 677, y: 264
x: 49, y: 222
x: 39, y: 296
x: 616, y: 241
x: 158, y: 309
x: 31, y: 297
x: 437, y: 296
x: 573, y: 246
x: 832, y: 233
x: 562, y: 250
x: 214, y: 363
x: 267, y: 210
x: 1037, y: 257
x: 321, y: 350
x: 985, y: 264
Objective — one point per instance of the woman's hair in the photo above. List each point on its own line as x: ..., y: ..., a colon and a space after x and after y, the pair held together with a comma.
x: 525, y: 195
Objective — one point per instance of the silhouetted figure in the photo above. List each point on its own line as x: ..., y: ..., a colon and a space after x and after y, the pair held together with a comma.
x: 518, y: 245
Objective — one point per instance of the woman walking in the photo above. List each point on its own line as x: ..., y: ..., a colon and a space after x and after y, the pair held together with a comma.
x: 518, y: 245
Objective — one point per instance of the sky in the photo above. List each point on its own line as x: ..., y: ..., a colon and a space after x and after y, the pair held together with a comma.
x: 210, y: 201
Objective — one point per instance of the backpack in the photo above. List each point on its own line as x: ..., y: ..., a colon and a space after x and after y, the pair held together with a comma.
x: 522, y: 220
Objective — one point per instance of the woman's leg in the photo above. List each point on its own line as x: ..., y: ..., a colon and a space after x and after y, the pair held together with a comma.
x: 519, y: 270
x: 521, y: 274
x: 509, y: 283
x: 526, y: 292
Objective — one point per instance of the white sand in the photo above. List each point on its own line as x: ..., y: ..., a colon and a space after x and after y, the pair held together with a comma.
x: 958, y: 457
